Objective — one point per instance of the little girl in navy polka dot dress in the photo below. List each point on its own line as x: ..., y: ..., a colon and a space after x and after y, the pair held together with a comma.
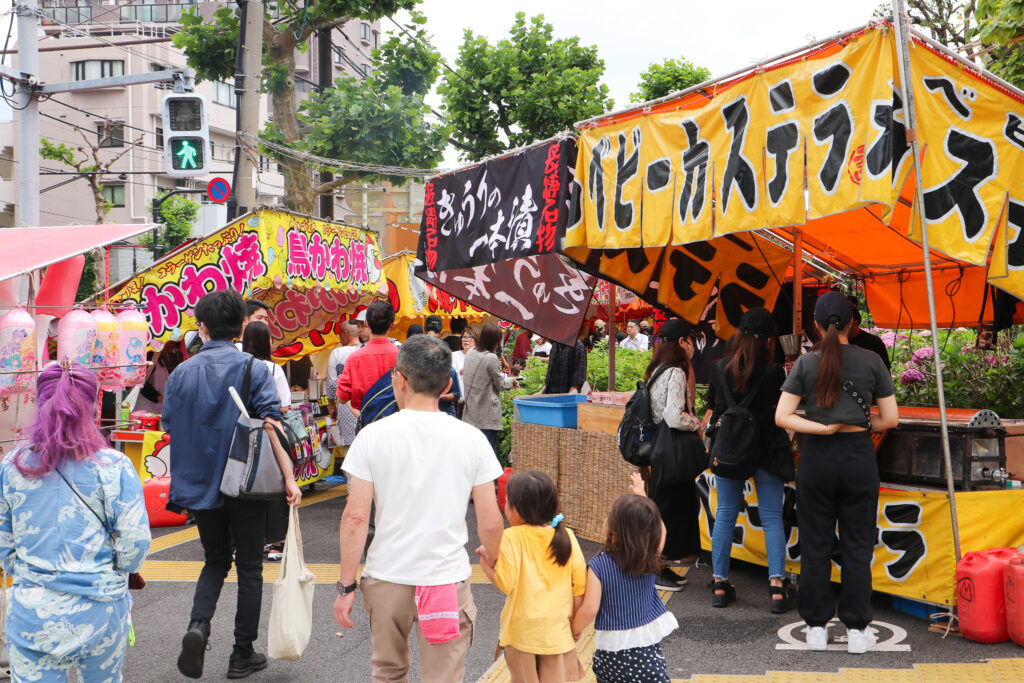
x: 631, y: 619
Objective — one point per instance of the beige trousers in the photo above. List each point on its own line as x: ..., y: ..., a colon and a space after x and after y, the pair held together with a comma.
x: 391, y: 608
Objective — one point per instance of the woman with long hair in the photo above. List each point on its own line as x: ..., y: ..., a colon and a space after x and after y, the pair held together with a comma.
x: 672, y: 399
x: 256, y: 340
x: 837, y: 480
x: 73, y: 525
x: 748, y: 370
x: 483, y: 381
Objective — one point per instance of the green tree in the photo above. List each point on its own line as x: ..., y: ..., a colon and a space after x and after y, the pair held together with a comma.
x: 177, y: 214
x: 950, y: 22
x: 670, y: 76
x: 381, y: 127
x: 524, y: 88
x: 1001, y: 29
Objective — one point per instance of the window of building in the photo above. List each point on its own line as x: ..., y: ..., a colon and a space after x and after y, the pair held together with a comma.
x: 113, y: 194
x: 338, y: 54
x: 159, y: 138
x: 96, y: 68
x: 366, y: 70
x: 376, y: 40
x: 365, y: 35
x: 110, y: 134
x: 224, y: 94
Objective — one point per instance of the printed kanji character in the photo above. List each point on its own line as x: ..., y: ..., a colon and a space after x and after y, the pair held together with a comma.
x: 906, y: 541
x: 476, y: 286
x: 520, y: 233
x: 298, y: 254
x: 695, y: 166
x: 595, y: 177
x: 959, y: 193
x: 242, y: 261
x: 891, y: 144
x: 739, y: 172
x: 626, y: 170
x: 834, y: 127
x: 780, y: 141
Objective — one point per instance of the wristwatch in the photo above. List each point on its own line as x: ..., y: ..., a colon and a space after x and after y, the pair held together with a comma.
x: 345, y: 590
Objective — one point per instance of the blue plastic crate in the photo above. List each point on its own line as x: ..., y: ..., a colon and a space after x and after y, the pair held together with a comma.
x: 552, y: 411
x: 915, y: 608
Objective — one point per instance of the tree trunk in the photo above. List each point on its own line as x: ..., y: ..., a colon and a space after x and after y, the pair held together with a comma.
x: 298, y: 180
x: 99, y: 264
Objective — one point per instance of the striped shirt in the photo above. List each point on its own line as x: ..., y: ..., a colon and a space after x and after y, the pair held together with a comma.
x: 626, y: 601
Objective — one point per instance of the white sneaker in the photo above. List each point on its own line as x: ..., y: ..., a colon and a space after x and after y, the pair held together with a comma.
x: 817, y: 637
x: 859, y: 642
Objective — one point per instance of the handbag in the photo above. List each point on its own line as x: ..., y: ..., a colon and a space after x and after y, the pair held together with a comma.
x: 678, y: 455
x: 251, y: 470
x: 135, y: 580
x: 291, y: 614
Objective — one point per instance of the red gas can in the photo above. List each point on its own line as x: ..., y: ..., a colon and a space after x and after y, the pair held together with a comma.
x: 1013, y: 592
x: 155, y: 491
x: 502, y: 483
x: 979, y: 590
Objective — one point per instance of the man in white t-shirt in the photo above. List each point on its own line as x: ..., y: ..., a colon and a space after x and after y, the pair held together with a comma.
x: 634, y: 340
x: 422, y: 500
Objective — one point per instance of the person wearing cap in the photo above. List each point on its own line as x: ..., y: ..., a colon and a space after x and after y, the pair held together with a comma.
x: 866, y: 340
x: 597, y: 333
x: 747, y: 367
x: 673, y: 395
x: 837, y: 480
x: 543, y: 347
x: 362, y: 327
x: 634, y: 340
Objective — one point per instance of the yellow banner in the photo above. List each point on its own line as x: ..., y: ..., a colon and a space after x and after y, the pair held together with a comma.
x: 736, y: 161
x: 914, y: 555
x: 411, y: 297
x: 305, y: 268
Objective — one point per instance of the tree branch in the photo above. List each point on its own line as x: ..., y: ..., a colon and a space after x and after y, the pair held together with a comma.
x: 464, y: 147
x: 339, y: 181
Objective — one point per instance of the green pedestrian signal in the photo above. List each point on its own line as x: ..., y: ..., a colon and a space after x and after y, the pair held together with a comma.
x: 187, y: 153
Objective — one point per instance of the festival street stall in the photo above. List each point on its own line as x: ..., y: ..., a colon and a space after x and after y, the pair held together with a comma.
x: 311, y: 273
x: 701, y: 196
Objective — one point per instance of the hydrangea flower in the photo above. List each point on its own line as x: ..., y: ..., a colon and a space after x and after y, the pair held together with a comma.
x: 912, y: 376
x: 924, y: 353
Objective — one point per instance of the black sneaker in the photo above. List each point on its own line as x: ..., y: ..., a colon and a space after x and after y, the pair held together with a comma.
x: 668, y: 580
x: 240, y: 667
x: 193, y: 649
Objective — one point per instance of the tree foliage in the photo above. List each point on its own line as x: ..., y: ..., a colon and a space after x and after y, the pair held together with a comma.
x: 382, y: 120
x: 1001, y: 26
x: 670, y: 76
x: 521, y: 89
x: 177, y: 214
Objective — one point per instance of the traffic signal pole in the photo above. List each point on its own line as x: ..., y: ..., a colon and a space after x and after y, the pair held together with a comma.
x: 247, y: 87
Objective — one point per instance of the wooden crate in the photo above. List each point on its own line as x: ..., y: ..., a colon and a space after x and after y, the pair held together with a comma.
x: 599, y: 417
x: 1015, y: 448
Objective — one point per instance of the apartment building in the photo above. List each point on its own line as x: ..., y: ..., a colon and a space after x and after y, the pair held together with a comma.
x: 80, y: 40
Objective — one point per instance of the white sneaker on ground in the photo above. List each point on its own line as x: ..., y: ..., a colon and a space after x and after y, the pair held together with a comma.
x: 859, y: 642
x: 817, y: 637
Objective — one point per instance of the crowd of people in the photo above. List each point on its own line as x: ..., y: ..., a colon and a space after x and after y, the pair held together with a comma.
x: 71, y: 606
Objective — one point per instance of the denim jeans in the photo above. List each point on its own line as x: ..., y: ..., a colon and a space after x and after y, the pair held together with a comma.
x: 769, y: 503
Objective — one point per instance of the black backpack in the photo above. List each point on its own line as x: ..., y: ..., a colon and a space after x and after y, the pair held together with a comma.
x: 736, y: 447
x: 637, y: 428
x: 378, y: 402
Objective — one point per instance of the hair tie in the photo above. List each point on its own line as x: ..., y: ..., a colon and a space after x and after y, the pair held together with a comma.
x: 558, y: 518
x: 65, y: 366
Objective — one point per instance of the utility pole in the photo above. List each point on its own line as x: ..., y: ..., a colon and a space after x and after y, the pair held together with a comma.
x: 28, y: 117
x: 247, y: 87
x: 324, y: 80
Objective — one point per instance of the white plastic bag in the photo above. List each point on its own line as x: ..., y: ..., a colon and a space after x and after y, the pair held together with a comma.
x: 291, y: 615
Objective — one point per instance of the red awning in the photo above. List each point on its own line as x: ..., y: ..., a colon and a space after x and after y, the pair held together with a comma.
x: 28, y: 249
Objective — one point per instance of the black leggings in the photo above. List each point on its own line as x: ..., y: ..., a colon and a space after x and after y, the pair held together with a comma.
x: 837, y: 481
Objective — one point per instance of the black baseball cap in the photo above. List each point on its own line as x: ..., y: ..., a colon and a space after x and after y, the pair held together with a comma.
x: 676, y: 329
x: 833, y: 308
x: 758, y: 323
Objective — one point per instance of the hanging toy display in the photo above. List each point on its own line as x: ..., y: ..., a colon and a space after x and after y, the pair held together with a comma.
x: 105, y: 355
x: 76, y: 338
x: 132, y: 343
x: 17, y: 352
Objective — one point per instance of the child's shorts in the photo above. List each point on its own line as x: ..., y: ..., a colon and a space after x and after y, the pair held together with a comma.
x: 636, y: 665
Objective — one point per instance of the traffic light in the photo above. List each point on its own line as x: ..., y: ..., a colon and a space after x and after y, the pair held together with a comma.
x: 186, y: 135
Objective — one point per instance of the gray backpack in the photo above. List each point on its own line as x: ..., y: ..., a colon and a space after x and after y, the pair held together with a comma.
x: 252, y: 470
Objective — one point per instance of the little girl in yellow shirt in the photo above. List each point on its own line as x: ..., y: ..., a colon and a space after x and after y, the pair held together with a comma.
x: 542, y: 571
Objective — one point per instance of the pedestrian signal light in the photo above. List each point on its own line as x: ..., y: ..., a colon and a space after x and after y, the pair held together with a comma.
x: 186, y: 135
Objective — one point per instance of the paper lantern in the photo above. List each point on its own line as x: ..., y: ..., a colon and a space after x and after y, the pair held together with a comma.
x: 105, y: 356
x: 17, y: 352
x: 133, y: 340
x: 76, y: 338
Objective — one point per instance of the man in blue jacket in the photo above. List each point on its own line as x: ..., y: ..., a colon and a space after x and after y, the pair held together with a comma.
x: 201, y: 417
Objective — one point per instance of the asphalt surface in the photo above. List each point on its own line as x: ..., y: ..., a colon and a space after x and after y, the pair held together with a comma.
x: 740, y: 639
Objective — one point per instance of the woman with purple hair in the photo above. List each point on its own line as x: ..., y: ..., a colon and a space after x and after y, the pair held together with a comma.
x: 73, y: 525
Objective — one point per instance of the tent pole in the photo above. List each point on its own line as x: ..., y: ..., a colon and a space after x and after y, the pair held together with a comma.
x: 910, y: 116
x: 798, y: 285
x: 612, y: 300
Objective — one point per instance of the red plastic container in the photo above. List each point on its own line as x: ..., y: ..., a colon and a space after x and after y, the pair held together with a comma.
x: 155, y: 491
x: 502, y: 483
x: 1013, y: 592
x: 980, y: 594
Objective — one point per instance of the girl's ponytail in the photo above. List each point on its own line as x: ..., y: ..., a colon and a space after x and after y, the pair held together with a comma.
x: 533, y: 496
x: 561, y: 546
x: 830, y: 369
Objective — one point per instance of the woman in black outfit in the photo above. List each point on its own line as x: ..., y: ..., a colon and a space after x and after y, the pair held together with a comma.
x: 747, y: 368
x: 837, y: 478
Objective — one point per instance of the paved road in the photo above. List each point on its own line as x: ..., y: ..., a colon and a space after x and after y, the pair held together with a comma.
x: 740, y: 639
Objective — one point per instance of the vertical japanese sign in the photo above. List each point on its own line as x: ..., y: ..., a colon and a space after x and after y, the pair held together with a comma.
x: 506, y: 208
x: 313, y: 266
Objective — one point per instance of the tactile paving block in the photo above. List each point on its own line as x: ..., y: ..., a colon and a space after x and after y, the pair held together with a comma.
x: 802, y: 677
x: 878, y: 675
x: 727, y: 678
x: 956, y: 673
x: 1008, y: 670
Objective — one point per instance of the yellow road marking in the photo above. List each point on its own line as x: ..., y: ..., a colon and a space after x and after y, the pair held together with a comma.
x: 1009, y: 669
x: 956, y: 673
x: 157, y: 570
x: 802, y: 677
x: 727, y: 678
x: 878, y: 675
x: 192, y: 533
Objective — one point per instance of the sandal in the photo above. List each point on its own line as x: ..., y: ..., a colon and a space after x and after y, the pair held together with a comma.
x: 784, y: 603
x: 722, y: 599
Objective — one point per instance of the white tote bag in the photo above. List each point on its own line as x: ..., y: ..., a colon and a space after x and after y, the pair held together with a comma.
x: 291, y: 615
